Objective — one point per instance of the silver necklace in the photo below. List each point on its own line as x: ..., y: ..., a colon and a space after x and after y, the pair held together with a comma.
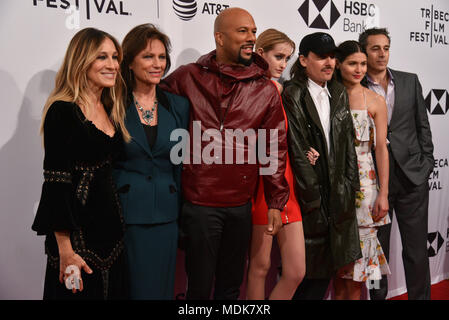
x: 147, y: 115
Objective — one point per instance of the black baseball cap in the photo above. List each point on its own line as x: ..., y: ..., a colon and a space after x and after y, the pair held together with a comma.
x: 319, y: 43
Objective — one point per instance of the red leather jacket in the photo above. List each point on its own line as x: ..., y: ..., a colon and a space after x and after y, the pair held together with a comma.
x: 230, y: 97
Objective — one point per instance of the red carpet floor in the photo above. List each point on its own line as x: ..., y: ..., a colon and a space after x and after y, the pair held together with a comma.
x: 439, y: 291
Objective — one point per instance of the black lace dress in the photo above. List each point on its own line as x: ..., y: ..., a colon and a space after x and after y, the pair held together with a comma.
x: 79, y: 195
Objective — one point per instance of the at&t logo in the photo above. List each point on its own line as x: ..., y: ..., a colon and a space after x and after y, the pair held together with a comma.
x: 185, y: 9
x: 437, y: 101
x: 319, y: 14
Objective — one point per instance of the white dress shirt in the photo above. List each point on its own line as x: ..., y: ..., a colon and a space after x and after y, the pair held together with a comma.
x: 320, y: 96
x: 389, y: 95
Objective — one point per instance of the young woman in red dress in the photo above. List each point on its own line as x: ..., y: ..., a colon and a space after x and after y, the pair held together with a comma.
x: 276, y: 48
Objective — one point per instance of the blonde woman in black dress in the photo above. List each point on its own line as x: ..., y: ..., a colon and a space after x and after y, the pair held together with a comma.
x: 79, y: 212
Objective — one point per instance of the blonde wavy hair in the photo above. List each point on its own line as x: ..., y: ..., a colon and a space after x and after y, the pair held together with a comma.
x: 71, y: 84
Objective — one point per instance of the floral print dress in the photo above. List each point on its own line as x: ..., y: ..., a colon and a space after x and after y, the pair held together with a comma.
x: 373, y: 263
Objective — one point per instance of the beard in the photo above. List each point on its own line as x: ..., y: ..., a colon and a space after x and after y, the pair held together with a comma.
x: 245, y: 62
x: 242, y: 60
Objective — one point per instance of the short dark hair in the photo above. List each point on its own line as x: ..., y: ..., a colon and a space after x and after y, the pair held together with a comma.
x: 363, y: 37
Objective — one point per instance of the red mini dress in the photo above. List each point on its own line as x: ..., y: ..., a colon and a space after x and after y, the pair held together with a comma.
x: 291, y: 212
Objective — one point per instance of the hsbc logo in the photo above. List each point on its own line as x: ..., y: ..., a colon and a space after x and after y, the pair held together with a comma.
x: 437, y: 102
x: 356, y: 15
x: 435, y: 242
x: 319, y: 14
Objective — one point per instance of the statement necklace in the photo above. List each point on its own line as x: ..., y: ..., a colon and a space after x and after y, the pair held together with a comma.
x: 147, y: 115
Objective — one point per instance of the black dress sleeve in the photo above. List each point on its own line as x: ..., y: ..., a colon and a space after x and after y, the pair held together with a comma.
x: 56, y: 206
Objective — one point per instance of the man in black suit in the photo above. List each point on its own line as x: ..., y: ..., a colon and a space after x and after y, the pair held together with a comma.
x: 411, y: 162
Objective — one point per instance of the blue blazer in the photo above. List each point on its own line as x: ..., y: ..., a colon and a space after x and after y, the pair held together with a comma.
x: 149, y: 184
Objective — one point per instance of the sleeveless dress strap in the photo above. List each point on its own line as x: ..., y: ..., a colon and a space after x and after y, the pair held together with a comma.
x: 370, y: 119
x: 364, y: 97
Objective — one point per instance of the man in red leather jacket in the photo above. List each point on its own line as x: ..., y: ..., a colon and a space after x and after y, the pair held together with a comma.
x: 228, y: 91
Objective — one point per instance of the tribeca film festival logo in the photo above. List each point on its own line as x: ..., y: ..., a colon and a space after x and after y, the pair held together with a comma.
x: 435, y: 23
x: 187, y: 9
x: 437, y: 102
x: 72, y: 8
x: 233, y: 144
x: 323, y: 14
x: 434, y: 178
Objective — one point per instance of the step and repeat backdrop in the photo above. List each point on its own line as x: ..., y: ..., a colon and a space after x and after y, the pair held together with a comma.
x: 34, y: 35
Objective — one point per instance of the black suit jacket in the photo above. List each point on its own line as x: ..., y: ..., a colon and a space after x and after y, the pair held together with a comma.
x: 409, y: 130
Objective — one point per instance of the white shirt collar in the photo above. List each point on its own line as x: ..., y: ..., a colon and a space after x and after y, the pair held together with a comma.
x: 315, y: 89
x: 390, y: 80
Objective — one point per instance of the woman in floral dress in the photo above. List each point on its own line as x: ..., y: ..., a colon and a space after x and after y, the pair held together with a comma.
x: 369, y: 112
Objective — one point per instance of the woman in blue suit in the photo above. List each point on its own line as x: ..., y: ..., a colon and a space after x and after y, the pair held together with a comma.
x: 148, y: 182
